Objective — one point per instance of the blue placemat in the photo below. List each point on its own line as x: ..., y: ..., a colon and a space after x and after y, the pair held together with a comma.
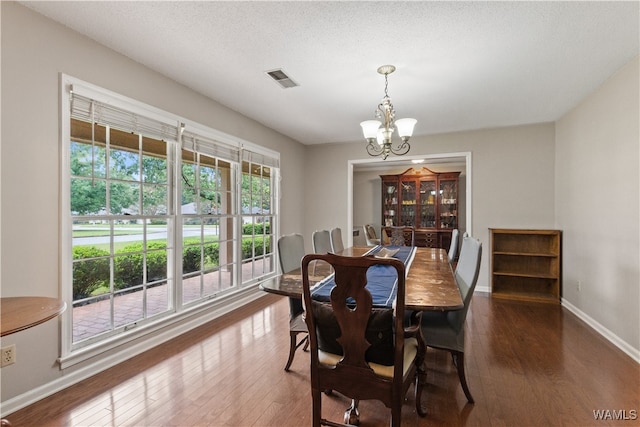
x: 382, y: 280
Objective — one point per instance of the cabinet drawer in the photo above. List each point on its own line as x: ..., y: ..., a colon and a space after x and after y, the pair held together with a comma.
x: 429, y: 240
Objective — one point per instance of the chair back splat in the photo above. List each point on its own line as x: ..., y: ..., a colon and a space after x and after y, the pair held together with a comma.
x: 321, y: 240
x: 453, y: 247
x: 290, y: 253
x: 370, y: 235
x: 361, y: 351
x: 399, y: 236
x: 337, y: 245
x: 468, y: 270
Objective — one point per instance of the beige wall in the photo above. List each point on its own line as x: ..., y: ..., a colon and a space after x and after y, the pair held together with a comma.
x: 35, y: 51
x: 597, y: 205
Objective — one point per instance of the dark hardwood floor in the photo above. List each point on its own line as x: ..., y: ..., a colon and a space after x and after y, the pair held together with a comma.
x: 527, y: 365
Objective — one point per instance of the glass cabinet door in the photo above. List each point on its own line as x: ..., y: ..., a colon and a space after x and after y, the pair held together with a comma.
x: 448, y: 203
x: 427, y: 204
x: 408, y: 207
x: 389, y: 203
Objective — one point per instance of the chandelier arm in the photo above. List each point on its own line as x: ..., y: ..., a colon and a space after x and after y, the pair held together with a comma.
x: 401, y: 149
x: 374, y: 149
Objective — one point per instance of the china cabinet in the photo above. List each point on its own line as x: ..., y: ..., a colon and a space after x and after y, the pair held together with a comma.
x: 425, y: 200
x: 526, y: 264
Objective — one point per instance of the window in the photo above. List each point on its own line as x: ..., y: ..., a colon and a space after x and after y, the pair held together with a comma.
x: 208, y: 220
x: 118, y: 193
x: 257, y: 217
x: 162, y: 216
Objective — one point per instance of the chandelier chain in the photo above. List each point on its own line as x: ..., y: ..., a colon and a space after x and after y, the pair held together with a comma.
x: 386, y: 85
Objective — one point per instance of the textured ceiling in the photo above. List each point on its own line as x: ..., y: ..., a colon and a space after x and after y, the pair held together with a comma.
x: 460, y: 65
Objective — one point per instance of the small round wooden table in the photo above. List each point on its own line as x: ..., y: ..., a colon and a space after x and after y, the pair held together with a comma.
x: 19, y: 313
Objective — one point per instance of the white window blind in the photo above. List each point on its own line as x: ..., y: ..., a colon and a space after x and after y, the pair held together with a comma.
x: 201, y: 144
x: 260, y: 159
x: 100, y: 112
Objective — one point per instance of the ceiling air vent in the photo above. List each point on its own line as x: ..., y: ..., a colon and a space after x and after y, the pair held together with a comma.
x: 281, y: 78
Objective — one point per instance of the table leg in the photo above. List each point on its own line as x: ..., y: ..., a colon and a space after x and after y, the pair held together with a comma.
x: 421, y: 374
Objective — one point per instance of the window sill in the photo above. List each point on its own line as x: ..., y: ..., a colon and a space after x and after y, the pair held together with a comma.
x: 120, y: 348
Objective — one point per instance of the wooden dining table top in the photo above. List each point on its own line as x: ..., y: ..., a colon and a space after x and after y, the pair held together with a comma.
x: 19, y: 313
x: 430, y: 284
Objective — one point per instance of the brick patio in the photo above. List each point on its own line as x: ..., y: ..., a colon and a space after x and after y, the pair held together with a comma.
x: 92, y: 319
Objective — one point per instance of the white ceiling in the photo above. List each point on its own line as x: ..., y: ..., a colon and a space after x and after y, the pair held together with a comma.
x: 460, y: 65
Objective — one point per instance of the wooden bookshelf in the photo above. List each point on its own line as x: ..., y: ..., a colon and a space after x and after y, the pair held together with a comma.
x: 526, y: 264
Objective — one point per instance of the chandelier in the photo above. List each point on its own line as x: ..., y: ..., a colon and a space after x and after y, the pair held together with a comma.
x: 378, y: 134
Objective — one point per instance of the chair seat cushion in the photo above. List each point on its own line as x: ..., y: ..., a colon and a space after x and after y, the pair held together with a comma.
x: 410, y: 352
x: 297, y: 323
x: 435, y: 318
x: 379, y: 333
x: 440, y: 330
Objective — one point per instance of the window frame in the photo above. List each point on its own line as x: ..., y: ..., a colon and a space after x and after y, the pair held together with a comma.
x: 71, y: 353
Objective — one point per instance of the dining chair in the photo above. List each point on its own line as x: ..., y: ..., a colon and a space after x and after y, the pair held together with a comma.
x: 453, y: 247
x: 445, y: 329
x: 358, y: 350
x: 400, y: 236
x: 290, y: 253
x: 321, y: 240
x: 370, y: 235
x: 337, y: 245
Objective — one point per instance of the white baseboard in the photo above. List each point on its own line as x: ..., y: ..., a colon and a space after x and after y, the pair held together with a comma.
x: 483, y: 289
x: 634, y: 353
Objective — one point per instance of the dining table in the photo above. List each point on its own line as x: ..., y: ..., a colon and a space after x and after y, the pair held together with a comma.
x: 430, y: 284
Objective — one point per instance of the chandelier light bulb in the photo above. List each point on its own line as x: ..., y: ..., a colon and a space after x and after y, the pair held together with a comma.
x: 370, y: 128
x: 405, y: 127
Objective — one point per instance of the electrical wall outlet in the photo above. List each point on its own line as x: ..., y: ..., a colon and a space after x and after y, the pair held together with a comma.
x: 578, y: 286
x: 8, y: 355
